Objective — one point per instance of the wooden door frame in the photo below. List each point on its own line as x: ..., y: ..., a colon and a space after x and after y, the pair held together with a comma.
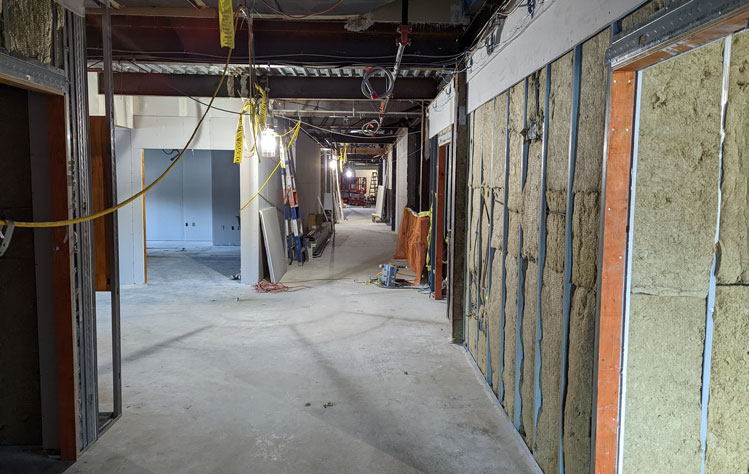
x: 615, y: 213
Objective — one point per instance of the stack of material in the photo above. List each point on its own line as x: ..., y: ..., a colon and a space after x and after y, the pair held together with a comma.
x: 318, y: 238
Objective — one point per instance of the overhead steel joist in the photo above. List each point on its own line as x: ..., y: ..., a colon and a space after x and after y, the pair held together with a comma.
x: 279, y: 87
x: 275, y: 41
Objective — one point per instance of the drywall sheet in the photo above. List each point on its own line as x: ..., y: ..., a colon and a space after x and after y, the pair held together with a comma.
x: 728, y: 411
x: 547, y: 436
x: 527, y: 379
x: 676, y: 199
x: 585, y: 226
x: 380, y: 199
x: 591, y: 124
x: 734, y: 212
x: 579, y: 401
x: 664, y: 377
x: 274, y: 244
x: 511, y: 310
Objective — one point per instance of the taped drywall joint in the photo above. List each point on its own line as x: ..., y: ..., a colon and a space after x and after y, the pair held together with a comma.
x: 538, y: 396
x: 574, y: 118
x: 505, y: 225
x: 518, y: 418
x: 710, y: 312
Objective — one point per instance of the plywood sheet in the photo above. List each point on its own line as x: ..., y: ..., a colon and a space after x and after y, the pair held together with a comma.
x: 664, y: 377
x: 274, y: 243
x: 676, y: 201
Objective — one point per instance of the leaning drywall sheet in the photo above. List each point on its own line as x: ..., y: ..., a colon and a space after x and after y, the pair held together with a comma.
x: 547, y: 437
x: 579, y: 401
x: 274, y: 244
x: 676, y: 199
x: 527, y: 378
x: 664, y: 377
x: 728, y: 411
x: 734, y: 212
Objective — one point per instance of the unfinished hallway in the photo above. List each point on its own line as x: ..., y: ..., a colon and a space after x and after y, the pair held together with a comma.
x: 335, y: 376
x: 374, y: 236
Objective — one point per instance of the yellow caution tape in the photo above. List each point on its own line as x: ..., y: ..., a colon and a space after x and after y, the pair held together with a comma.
x: 239, y: 138
x: 226, y: 23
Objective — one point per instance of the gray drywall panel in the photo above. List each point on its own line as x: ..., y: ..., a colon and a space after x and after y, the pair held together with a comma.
x: 728, y: 411
x: 308, y: 176
x: 664, y: 377
x: 591, y: 124
x: 560, y: 103
x: 547, y: 437
x: 557, y: 27
x: 677, y: 174
x: 511, y: 310
x: 130, y: 229
x: 527, y: 379
x: 580, y: 383
x: 401, y: 176
x: 197, y: 209
x: 225, y: 198
x: 734, y: 212
x: 164, y: 202
x: 585, y: 225
x: 274, y: 244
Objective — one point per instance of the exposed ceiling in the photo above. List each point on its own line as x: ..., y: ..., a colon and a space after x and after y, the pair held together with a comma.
x: 171, y: 47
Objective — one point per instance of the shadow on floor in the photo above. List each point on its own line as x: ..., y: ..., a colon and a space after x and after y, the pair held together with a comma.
x: 19, y: 461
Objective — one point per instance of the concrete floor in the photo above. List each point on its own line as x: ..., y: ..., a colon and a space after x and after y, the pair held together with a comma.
x: 335, y: 377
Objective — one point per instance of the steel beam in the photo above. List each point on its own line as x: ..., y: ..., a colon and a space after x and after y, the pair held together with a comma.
x: 309, y: 42
x: 279, y: 87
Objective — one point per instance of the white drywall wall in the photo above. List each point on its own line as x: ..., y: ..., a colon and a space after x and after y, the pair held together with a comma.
x: 557, y: 26
x: 441, y: 112
x: 401, y: 176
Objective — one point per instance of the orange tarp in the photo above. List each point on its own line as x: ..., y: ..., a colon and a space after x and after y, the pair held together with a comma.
x: 413, y: 241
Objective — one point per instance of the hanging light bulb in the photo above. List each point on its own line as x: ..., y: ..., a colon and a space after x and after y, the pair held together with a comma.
x: 268, y: 142
x: 333, y: 164
x: 349, y: 173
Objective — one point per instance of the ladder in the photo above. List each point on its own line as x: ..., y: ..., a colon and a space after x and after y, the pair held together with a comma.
x: 373, y: 184
x: 295, y: 243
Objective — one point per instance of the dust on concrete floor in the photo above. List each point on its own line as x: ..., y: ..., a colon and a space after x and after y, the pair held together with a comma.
x: 337, y: 376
